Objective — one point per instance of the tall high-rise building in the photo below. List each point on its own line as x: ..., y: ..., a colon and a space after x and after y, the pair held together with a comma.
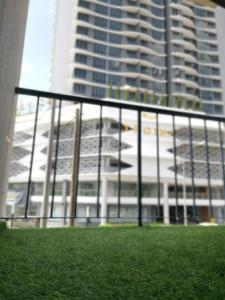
x: 154, y: 51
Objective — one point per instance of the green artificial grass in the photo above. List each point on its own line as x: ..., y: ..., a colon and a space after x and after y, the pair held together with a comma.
x: 113, y: 263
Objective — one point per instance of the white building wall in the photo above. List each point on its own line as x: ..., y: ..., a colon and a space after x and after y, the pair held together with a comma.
x: 220, y: 17
x: 61, y: 46
x: 13, y: 14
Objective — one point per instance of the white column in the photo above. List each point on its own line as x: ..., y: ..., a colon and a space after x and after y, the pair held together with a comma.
x: 104, y: 201
x: 45, y: 203
x: 218, y: 215
x: 185, y: 205
x: 13, y: 15
x: 166, y: 211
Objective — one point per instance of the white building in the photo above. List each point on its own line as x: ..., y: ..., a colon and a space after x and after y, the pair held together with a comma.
x: 161, y: 49
x: 88, y: 168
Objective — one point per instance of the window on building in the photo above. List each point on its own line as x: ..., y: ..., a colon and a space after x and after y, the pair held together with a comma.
x: 157, y: 35
x: 84, y: 3
x: 101, y: 9
x: 115, y: 25
x: 158, y: 23
x: 131, y: 81
x: 116, y: 52
x: 79, y: 73
x: 82, y: 30
x: 217, y: 96
x: 157, y: 11
x: 99, y: 63
x: 116, y: 13
x: 98, y: 92
x: 99, y: 77
x: 115, y: 38
x: 101, y: 22
x: 114, y: 80
x: 99, y: 48
x: 81, y: 58
x: 81, y: 44
x: 114, y: 65
x: 79, y: 88
x: 131, y: 68
x: 100, y: 35
x: 116, y: 2
x: 87, y: 188
x: 83, y: 17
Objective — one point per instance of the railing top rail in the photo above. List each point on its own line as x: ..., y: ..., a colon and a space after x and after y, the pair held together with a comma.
x: 119, y: 104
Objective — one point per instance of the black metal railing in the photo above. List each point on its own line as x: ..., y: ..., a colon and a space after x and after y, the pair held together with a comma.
x: 162, y: 156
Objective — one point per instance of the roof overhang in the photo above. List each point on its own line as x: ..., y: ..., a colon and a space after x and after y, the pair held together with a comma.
x: 210, y: 3
x: 220, y: 2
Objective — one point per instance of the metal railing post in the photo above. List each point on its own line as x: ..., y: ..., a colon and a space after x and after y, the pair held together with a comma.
x: 139, y: 169
x: 74, y: 182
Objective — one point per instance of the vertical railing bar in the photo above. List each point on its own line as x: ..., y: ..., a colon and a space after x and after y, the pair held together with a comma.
x: 32, y: 157
x: 208, y: 169
x: 175, y: 168
x: 192, y: 168
x: 222, y: 159
x: 99, y: 162
x: 78, y: 157
x: 56, y: 157
x: 119, y: 164
x: 158, y: 164
x: 74, y: 177
x: 139, y: 169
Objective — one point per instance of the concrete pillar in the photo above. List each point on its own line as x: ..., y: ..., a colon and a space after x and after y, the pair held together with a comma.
x: 13, y: 15
x: 218, y: 214
x: 104, y: 201
x: 166, y: 210
x: 88, y: 220
x: 64, y: 201
x: 45, y: 203
x: 185, y: 205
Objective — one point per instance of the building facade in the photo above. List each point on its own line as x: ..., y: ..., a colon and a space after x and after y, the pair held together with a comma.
x: 13, y: 15
x: 159, y: 202
x: 155, y: 51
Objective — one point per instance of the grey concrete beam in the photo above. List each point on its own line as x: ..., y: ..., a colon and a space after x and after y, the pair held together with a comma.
x: 13, y: 15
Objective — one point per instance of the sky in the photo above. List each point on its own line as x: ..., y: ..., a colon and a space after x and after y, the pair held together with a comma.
x: 36, y: 64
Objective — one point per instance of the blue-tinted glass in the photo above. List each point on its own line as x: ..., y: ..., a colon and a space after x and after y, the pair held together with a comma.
x: 100, y: 35
x: 79, y: 88
x: 116, y: 52
x: 98, y: 92
x: 99, y: 63
x: 101, y: 9
x: 101, y: 22
x: 80, y: 73
x: 115, y: 25
x: 99, y: 77
x: 101, y: 49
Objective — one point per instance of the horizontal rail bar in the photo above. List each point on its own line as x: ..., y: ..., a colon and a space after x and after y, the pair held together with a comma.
x: 119, y: 104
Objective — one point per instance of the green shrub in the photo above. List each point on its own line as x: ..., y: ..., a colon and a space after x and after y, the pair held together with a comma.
x: 110, y: 91
x: 146, y: 97
x: 162, y: 101
x: 118, y: 95
x: 154, y: 99
x: 137, y: 95
x: 178, y: 102
x: 3, y: 226
x: 185, y: 103
x: 126, y: 95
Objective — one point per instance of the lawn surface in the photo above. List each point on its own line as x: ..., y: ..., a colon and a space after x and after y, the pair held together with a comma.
x: 113, y: 263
